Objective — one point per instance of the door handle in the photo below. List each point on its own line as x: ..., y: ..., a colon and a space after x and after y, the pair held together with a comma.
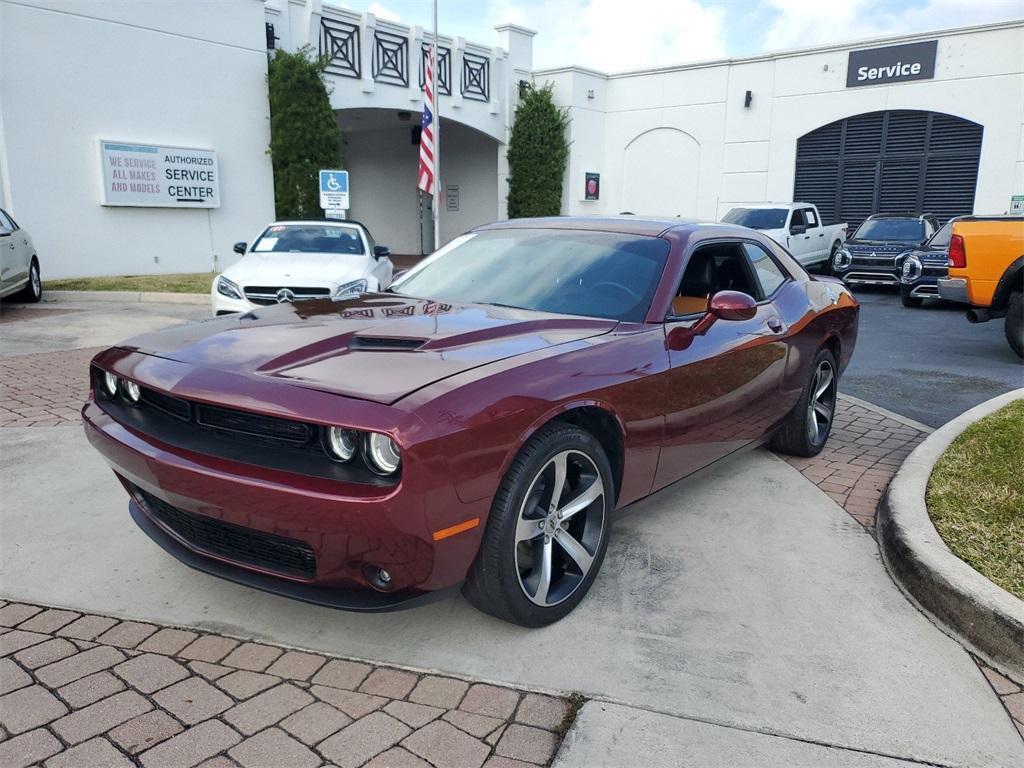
x: 821, y: 234
x: 774, y: 324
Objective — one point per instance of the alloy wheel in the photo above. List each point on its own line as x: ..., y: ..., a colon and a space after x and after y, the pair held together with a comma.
x: 822, y: 403
x: 559, y: 528
x: 33, y: 276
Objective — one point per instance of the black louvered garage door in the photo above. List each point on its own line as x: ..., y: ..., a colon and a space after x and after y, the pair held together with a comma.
x: 896, y: 161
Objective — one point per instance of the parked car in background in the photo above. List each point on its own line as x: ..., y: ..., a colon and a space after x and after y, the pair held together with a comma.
x: 870, y: 256
x: 796, y: 227
x: 479, y: 423
x: 19, y: 263
x: 986, y: 269
x: 300, y: 260
x: 921, y: 268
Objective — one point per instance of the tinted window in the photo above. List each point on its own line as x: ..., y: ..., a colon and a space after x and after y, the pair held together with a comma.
x: 573, y: 272
x: 768, y: 273
x: 757, y: 218
x: 309, y: 238
x: 899, y: 230
x: 798, y: 219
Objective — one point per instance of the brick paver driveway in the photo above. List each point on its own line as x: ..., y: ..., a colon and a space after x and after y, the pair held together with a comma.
x: 87, y: 691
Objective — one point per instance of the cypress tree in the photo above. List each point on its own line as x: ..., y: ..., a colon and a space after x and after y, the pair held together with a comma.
x: 537, y: 153
x: 304, y: 135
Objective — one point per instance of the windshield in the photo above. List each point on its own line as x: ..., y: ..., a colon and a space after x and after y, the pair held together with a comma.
x: 573, y: 272
x: 941, y: 238
x: 309, y: 238
x: 757, y: 218
x: 899, y: 230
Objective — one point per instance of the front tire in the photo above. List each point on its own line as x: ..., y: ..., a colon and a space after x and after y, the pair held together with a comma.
x: 33, y: 291
x: 548, y: 529
x: 806, y: 429
x: 1013, y: 327
x: 907, y: 300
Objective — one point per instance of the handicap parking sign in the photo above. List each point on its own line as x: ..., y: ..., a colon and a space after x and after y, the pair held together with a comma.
x: 334, y: 190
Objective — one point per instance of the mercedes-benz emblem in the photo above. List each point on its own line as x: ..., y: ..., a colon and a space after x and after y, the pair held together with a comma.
x: 285, y: 295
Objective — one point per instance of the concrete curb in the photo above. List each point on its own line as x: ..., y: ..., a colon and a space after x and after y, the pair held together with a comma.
x: 965, y: 604
x: 127, y: 297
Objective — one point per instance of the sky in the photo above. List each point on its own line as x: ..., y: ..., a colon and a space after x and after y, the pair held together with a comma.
x: 598, y: 33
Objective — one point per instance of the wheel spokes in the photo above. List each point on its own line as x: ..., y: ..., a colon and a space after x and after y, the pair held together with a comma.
x: 540, y: 595
x: 588, y: 496
x: 574, y: 549
x: 824, y: 381
x: 558, y: 482
x: 528, y: 529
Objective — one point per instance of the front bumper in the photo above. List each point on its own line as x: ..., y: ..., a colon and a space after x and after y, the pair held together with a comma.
x: 349, y: 529
x: 859, y: 275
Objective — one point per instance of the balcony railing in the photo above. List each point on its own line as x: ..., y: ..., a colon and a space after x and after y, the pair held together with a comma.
x: 344, y: 38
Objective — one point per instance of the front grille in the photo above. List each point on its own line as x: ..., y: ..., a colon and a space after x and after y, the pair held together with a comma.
x: 265, y: 295
x: 252, y: 424
x: 234, y: 542
x: 172, y: 405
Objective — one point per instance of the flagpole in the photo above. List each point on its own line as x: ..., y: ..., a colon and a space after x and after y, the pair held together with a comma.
x: 437, y: 141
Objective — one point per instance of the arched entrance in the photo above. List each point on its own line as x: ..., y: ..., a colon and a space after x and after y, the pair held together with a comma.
x: 661, y: 172
x: 893, y: 161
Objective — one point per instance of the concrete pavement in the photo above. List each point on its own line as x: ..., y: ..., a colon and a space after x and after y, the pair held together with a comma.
x: 745, y: 598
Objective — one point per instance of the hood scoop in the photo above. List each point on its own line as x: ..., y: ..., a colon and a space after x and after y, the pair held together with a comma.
x: 384, y: 344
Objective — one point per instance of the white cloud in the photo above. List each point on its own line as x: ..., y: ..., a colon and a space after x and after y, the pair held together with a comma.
x: 383, y: 12
x: 801, y: 23
x: 611, y: 36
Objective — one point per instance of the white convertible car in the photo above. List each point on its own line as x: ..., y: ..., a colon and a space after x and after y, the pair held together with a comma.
x: 296, y: 260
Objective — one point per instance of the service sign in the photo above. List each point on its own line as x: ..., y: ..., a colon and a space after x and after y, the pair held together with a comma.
x: 895, y: 64
x: 149, y: 176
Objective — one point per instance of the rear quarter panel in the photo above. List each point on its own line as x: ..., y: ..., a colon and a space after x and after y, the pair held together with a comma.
x: 991, y: 247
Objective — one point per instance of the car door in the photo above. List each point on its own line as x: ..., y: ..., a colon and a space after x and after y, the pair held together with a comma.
x: 817, y: 248
x: 10, y: 254
x: 797, y: 240
x: 723, y: 381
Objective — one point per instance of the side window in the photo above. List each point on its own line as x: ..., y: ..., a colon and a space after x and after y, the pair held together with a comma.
x: 6, y: 222
x: 798, y: 219
x: 812, y: 220
x: 720, y: 266
x: 767, y: 271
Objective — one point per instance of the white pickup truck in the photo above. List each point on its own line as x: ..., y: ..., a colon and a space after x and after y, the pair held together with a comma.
x: 796, y: 227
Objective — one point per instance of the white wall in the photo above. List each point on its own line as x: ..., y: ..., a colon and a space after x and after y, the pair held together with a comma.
x: 382, y: 166
x: 680, y: 140
x: 72, y: 73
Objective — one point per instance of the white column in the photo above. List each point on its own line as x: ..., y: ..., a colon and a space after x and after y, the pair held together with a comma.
x: 415, y: 55
x: 367, y: 43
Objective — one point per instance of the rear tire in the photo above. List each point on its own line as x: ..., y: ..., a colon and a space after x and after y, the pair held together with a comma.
x: 33, y: 291
x: 807, y: 427
x: 907, y: 300
x: 1014, y: 324
x: 539, y: 554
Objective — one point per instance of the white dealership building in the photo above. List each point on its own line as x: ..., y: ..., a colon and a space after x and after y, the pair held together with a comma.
x: 133, y: 136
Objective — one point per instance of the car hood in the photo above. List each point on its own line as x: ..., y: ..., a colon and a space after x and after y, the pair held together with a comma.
x: 378, y: 347
x: 298, y: 269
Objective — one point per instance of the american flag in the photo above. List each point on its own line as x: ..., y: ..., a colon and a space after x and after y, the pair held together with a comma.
x: 427, y: 167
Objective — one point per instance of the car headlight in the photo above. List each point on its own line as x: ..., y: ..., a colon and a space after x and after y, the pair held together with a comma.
x: 340, y: 443
x: 842, y: 259
x: 227, y: 288
x: 109, y: 382
x: 912, y: 269
x: 353, y: 288
x: 382, y: 454
x: 131, y: 391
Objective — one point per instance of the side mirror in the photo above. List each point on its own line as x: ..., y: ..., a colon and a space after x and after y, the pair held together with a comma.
x: 797, y: 229
x: 732, y: 305
x: 380, y: 251
x: 239, y: 248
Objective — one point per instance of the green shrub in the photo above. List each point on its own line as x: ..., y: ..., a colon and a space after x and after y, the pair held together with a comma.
x: 537, y: 153
x: 304, y: 136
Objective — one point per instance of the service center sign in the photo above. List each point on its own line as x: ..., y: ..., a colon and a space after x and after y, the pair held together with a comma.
x: 144, y: 175
x: 895, y: 64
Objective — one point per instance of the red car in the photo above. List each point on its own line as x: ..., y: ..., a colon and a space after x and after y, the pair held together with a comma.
x: 479, y: 423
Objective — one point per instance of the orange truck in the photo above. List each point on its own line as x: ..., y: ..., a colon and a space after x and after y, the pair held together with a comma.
x: 986, y: 270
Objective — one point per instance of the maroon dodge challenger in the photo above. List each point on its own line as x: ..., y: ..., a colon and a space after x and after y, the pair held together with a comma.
x: 478, y: 423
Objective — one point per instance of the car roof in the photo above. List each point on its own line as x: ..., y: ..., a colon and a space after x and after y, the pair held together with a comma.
x: 328, y: 222
x: 629, y: 225
x: 794, y: 204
